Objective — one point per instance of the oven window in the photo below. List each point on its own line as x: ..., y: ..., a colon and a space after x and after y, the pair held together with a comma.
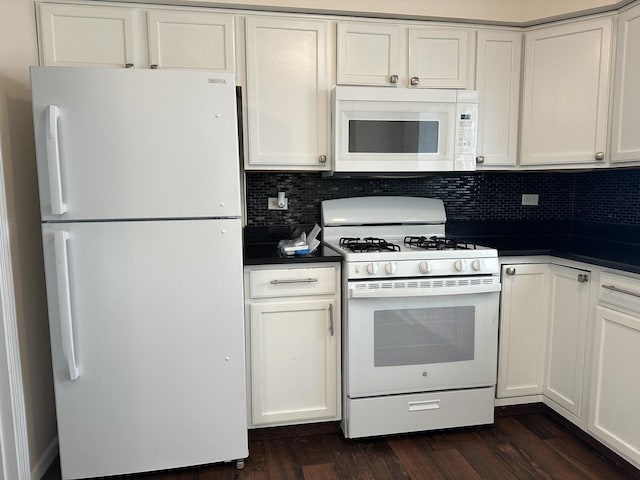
x: 393, y: 136
x: 418, y: 336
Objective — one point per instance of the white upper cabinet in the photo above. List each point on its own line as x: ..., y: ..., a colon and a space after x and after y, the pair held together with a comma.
x: 99, y: 36
x: 193, y: 40
x: 498, y: 81
x: 439, y: 58
x: 79, y: 35
x: 566, y: 94
x: 395, y: 55
x: 369, y: 54
x: 625, y: 136
x: 288, y: 93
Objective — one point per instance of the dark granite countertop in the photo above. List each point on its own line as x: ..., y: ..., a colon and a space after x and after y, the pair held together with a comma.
x: 261, y: 246
x: 605, y: 245
x: 612, y: 246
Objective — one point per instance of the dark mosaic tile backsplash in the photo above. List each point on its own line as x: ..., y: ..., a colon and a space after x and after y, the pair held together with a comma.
x: 605, y: 196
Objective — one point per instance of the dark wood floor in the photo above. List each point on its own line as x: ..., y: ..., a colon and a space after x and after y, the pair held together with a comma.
x: 529, y: 446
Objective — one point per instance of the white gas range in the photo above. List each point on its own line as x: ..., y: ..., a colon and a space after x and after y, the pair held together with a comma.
x: 420, y: 317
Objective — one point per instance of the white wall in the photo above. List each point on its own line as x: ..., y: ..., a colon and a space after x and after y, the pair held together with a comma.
x: 18, y: 50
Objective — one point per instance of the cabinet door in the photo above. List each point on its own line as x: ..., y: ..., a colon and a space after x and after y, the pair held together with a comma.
x: 78, y: 35
x: 615, y: 390
x: 368, y: 54
x: 294, y: 351
x: 288, y: 92
x: 439, y: 58
x: 567, y: 336
x: 566, y: 93
x: 523, y: 327
x: 498, y: 81
x: 191, y: 40
x: 625, y: 140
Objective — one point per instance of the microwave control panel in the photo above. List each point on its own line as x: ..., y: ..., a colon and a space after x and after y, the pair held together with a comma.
x: 466, y: 128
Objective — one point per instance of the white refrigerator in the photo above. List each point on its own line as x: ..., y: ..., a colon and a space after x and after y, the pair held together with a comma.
x: 139, y: 185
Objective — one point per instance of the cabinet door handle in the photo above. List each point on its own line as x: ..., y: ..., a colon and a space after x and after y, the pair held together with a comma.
x: 479, y: 159
x: 583, y: 278
x: 294, y: 280
x: 511, y: 271
x: 600, y: 156
x: 415, y: 81
x: 154, y: 66
x: 129, y: 65
x: 322, y: 159
x: 331, y: 327
x: 58, y: 206
x: 393, y: 79
x: 613, y: 288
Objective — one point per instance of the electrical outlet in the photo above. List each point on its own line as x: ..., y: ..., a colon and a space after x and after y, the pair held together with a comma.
x: 530, y: 198
x: 273, y: 204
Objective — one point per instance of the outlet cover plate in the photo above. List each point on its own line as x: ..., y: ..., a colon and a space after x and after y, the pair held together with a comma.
x: 273, y: 204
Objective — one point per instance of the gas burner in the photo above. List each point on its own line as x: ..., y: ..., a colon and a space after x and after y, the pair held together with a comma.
x: 368, y: 244
x: 437, y: 243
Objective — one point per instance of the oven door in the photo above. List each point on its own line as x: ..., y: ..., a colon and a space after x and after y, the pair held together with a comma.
x: 415, y: 336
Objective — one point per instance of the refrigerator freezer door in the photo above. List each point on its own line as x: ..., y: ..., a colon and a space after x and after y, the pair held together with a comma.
x: 126, y: 143
x: 155, y: 327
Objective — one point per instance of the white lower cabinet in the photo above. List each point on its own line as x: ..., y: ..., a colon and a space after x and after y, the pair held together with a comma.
x: 566, y: 337
x: 523, y: 330
x: 615, y: 389
x: 293, y: 344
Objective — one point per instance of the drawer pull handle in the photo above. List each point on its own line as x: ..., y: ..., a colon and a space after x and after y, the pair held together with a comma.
x: 294, y: 280
x: 424, y: 405
x: 613, y: 288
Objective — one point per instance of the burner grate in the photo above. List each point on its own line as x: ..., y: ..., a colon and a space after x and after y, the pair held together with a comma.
x: 368, y: 244
x: 437, y: 243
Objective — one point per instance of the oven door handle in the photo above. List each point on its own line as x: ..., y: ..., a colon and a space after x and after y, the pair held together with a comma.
x: 357, y: 291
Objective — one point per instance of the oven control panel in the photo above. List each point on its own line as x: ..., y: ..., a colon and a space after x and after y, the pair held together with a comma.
x: 423, y: 268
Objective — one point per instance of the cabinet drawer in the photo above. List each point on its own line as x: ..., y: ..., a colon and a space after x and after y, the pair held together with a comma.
x: 287, y: 282
x: 619, y: 291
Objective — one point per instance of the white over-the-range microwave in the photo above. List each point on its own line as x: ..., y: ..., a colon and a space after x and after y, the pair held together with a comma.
x: 392, y: 130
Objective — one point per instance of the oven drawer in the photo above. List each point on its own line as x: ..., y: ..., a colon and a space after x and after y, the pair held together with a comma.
x: 417, y: 412
x: 288, y: 282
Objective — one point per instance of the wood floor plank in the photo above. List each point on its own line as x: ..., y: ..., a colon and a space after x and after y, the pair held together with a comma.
x: 582, y: 458
x: 413, y: 459
x: 382, y: 460
x: 323, y: 471
x: 547, y: 462
x: 454, y: 465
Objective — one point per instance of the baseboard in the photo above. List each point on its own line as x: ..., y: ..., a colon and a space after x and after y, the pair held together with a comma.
x: 45, y: 460
x: 521, y: 409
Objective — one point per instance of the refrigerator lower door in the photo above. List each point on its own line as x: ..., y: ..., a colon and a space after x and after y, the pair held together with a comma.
x: 147, y: 336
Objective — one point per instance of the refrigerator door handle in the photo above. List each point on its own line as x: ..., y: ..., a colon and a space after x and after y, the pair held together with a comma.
x: 64, y: 302
x: 58, y: 207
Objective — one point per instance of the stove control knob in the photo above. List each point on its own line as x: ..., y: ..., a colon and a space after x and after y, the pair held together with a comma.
x: 372, y: 268
x: 476, y: 265
x: 391, y: 267
x: 424, y: 267
x: 458, y: 265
